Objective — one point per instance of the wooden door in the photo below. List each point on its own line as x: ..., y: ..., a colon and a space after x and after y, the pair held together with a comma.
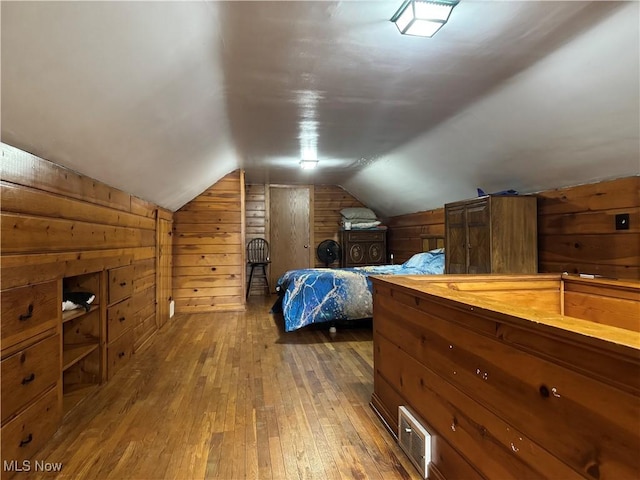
x: 164, y: 245
x: 456, y: 238
x: 290, y: 213
x: 478, y: 237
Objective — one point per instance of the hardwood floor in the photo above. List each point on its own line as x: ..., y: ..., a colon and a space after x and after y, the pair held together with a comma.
x: 231, y: 396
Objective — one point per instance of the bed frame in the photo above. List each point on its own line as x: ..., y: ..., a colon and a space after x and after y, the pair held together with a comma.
x: 513, y: 376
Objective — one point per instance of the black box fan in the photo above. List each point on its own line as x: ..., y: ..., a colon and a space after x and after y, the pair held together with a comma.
x: 328, y: 252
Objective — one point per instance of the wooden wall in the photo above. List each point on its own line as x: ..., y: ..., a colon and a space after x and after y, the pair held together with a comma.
x: 406, y: 231
x: 58, y: 223
x: 576, y: 229
x: 208, y: 249
x: 328, y: 201
x: 257, y: 226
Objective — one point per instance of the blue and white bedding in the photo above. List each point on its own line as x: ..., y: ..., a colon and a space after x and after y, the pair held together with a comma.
x: 317, y: 295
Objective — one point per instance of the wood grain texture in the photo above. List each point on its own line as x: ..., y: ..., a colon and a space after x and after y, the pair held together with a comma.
x: 208, y: 233
x: 479, y: 372
x: 405, y: 232
x: 329, y: 200
x: 577, y: 229
x: 491, y: 234
x: 257, y: 226
x: 164, y: 269
x: 291, y: 229
x: 230, y: 395
x: 22, y: 168
x: 58, y: 225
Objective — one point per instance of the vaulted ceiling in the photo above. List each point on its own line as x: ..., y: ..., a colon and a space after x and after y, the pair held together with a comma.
x: 161, y: 99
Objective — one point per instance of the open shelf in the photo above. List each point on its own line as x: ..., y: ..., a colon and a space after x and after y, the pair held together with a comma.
x: 76, y: 313
x: 83, y: 362
x: 72, y: 354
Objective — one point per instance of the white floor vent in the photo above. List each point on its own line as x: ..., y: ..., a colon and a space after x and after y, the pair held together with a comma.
x: 414, y: 440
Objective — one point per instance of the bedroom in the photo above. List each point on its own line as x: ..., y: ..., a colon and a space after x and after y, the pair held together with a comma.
x: 145, y: 172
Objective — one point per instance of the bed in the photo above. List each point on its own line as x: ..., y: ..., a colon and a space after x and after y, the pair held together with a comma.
x: 321, y: 295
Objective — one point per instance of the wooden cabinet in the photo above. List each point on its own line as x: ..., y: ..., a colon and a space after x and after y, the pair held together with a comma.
x: 491, y: 234
x: 83, y: 340
x: 29, y: 369
x: 363, y: 247
x: 120, y: 318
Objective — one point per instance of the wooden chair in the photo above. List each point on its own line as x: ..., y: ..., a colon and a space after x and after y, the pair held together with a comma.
x: 257, y: 256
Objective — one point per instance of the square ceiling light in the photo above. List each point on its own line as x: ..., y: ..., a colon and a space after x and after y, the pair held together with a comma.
x: 308, y: 164
x: 423, y: 18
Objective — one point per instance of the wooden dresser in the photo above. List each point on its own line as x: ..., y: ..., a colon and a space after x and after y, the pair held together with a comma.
x: 30, y: 369
x: 492, y: 234
x: 120, y: 318
x: 363, y: 247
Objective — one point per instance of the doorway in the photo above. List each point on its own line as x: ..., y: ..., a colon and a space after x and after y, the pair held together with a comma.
x: 291, y: 218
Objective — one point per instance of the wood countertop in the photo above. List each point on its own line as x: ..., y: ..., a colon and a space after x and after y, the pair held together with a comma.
x: 614, y: 339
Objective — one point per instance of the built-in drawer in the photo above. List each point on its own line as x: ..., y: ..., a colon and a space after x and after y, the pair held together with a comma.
x: 27, y: 311
x: 28, y: 373
x: 120, y: 283
x: 119, y: 319
x: 119, y: 353
x: 23, y: 436
x: 365, y: 236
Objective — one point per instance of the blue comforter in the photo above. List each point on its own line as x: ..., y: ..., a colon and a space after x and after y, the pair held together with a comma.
x: 317, y: 295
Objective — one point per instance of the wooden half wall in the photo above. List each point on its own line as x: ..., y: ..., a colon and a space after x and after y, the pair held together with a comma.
x: 576, y: 229
x: 58, y: 223
x: 208, y: 249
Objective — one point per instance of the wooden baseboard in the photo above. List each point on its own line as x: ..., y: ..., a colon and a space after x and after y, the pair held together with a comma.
x: 378, y: 407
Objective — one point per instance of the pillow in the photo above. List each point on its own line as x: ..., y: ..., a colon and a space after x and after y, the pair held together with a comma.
x: 73, y: 300
x: 420, y: 260
x: 360, y: 213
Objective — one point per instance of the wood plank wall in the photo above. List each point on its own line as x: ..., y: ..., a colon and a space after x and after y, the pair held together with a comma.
x: 404, y: 234
x: 208, y: 249
x: 58, y: 223
x: 164, y: 265
x: 576, y: 229
x: 328, y: 201
x: 257, y: 226
x: 577, y: 234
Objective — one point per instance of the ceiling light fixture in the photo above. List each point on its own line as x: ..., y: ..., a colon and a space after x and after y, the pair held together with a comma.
x: 423, y: 18
x: 308, y: 164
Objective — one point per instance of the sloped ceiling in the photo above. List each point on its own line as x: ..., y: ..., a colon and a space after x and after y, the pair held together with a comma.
x: 161, y: 99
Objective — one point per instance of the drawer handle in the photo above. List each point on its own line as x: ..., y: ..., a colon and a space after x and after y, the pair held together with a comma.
x: 27, y: 315
x: 121, y: 354
x: 26, y: 441
x: 122, y: 319
x: 122, y: 284
x: 29, y: 379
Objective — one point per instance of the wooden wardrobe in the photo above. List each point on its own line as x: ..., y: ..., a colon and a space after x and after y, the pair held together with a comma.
x: 492, y: 234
